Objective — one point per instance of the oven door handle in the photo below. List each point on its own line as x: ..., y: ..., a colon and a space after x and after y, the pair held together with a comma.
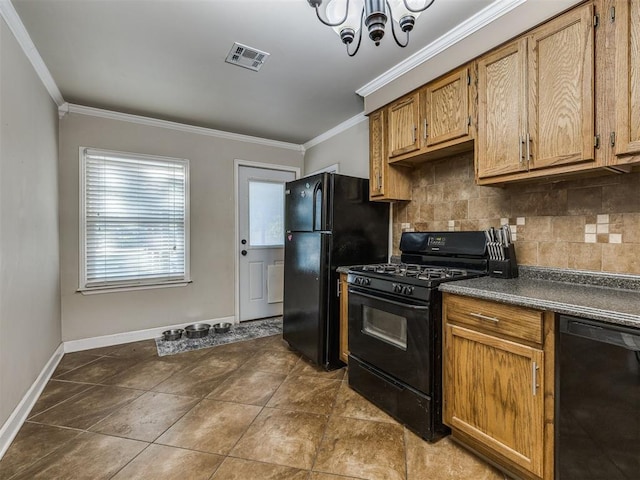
x: 386, y: 300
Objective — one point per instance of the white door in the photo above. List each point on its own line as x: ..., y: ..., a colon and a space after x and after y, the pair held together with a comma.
x: 261, y: 241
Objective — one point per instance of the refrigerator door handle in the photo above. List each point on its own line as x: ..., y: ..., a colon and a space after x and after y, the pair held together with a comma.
x: 318, y: 207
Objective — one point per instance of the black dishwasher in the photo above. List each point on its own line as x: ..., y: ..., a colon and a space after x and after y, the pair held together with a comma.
x: 597, y: 401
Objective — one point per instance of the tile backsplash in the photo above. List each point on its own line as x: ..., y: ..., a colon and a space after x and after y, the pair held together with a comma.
x: 589, y: 223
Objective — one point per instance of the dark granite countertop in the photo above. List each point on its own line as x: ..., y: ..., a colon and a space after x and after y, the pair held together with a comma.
x: 607, y: 297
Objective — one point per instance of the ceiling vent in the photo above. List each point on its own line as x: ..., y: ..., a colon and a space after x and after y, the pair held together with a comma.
x: 246, y: 57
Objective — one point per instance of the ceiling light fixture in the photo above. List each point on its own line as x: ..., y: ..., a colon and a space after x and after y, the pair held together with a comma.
x: 347, y: 18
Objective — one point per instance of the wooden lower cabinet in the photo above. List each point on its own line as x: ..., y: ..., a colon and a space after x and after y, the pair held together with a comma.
x: 498, y: 395
x: 344, y: 318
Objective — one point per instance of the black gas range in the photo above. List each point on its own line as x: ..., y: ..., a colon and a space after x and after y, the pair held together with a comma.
x: 395, y: 328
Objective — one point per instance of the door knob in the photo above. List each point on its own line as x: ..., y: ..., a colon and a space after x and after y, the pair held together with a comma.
x: 243, y: 252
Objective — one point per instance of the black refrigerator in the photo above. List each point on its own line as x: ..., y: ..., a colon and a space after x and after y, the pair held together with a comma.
x: 329, y: 222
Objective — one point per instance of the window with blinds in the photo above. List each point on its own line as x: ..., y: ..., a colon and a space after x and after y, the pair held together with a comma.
x: 134, y: 220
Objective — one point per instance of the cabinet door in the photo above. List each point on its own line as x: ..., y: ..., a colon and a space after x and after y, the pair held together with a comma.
x: 493, y: 392
x: 377, y: 154
x: 561, y: 95
x: 403, y: 124
x: 446, y: 108
x: 627, y: 77
x: 502, y: 110
x: 344, y: 318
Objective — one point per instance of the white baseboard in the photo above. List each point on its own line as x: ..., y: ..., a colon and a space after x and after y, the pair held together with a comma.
x: 11, y: 427
x: 128, y: 337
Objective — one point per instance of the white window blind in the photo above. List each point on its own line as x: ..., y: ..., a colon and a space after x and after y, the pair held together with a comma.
x: 134, y: 220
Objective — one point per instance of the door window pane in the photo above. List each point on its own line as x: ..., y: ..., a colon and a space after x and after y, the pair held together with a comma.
x: 266, y: 214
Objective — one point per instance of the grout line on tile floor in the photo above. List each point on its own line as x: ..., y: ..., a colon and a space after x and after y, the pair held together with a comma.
x: 59, y: 403
x: 324, y: 433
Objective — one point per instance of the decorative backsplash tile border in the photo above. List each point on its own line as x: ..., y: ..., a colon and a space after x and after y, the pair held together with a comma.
x: 603, y: 230
x: 582, y: 224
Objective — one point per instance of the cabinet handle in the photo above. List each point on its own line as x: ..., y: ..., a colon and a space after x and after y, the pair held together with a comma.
x: 528, y: 148
x: 339, y: 285
x: 415, y: 128
x: 520, y: 142
x: 379, y: 182
x: 425, y: 128
x: 484, y: 317
x: 534, y: 376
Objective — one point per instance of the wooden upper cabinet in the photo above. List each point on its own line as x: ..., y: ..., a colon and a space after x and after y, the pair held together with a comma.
x: 627, y: 70
x: 445, y: 108
x: 536, y: 102
x: 377, y: 154
x: 561, y: 90
x: 386, y: 182
x: 403, y: 121
x: 502, y: 104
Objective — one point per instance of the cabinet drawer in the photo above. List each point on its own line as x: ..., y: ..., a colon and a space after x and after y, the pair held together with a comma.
x: 495, y: 318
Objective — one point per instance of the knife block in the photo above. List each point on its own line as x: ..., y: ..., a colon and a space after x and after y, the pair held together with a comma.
x: 507, y: 268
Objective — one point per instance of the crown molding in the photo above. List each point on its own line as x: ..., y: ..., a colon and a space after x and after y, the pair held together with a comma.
x: 347, y: 124
x: 182, y: 127
x: 484, y: 17
x: 8, y: 12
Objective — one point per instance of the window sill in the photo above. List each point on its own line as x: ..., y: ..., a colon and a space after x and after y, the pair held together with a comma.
x: 130, y: 288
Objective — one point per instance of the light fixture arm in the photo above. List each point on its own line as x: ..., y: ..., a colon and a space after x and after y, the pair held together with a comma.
x: 428, y: 3
x: 359, y: 37
x: 393, y: 29
x: 316, y: 5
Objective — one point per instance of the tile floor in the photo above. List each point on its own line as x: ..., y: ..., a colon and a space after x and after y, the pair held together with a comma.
x: 248, y: 410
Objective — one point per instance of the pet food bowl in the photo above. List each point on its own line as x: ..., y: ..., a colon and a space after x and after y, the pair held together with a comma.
x: 222, y: 327
x: 197, y: 330
x: 174, y: 334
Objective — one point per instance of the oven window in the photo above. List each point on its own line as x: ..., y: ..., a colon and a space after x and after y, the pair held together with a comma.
x: 385, y: 326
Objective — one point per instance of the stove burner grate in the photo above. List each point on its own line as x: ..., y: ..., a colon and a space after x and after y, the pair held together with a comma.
x: 410, y: 270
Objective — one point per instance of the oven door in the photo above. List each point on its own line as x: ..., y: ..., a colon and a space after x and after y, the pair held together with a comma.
x: 393, y: 335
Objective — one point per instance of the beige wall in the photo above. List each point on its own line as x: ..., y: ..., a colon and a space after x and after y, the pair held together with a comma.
x: 211, y: 295
x: 29, y: 267
x: 585, y: 224
x: 350, y: 149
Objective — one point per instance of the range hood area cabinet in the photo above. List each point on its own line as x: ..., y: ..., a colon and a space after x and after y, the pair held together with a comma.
x: 498, y: 382
x: 435, y: 120
x: 536, y: 102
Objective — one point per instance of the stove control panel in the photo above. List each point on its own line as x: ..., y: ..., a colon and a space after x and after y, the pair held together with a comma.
x: 403, y: 289
x: 418, y: 291
x: 362, y: 281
